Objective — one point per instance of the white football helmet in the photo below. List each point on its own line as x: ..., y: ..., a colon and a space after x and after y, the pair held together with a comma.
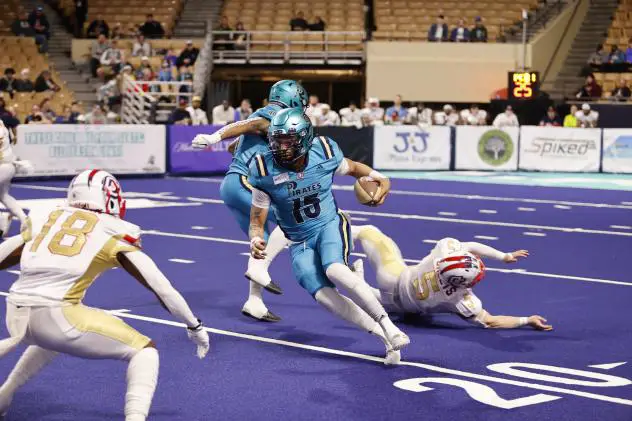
x: 460, y: 269
x: 98, y: 191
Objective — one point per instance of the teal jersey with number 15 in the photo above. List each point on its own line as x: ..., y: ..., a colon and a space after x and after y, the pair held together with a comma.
x: 303, y: 202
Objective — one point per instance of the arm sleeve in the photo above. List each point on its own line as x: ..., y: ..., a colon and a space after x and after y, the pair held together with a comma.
x: 160, y: 285
x: 260, y: 198
x: 343, y: 168
x: 483, y: 250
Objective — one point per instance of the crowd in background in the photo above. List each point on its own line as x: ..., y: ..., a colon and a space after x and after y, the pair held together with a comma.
x: 440, y: 31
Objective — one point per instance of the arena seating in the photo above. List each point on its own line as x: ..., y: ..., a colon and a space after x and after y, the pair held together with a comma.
x: 8, y: 13
x: 20, y: 53
x: 400, y: 20
x: 130, y: 12
x: 620, y: 30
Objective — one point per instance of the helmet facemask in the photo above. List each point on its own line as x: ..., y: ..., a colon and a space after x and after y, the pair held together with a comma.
x: 287, y: 148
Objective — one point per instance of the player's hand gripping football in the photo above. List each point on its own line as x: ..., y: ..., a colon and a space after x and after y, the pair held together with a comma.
x: 199, y: 337
x: 515, y: 255
x: 539, y: 323
x: 258, y: 248
x: 385, y: 188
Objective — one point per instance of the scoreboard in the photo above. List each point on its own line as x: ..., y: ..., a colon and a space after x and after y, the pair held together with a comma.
x: 523, y: 85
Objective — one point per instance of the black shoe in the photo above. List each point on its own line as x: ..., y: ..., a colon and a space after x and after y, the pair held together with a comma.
x: 271, y: 287
x: 268, y: 317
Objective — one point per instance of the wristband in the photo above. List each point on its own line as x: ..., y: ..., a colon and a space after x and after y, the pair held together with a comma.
x: 376, y: 175
x: 195, y: 328
x: 523, y: 321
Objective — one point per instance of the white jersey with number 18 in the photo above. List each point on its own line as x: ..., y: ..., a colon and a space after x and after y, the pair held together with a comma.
x: 70, y: 248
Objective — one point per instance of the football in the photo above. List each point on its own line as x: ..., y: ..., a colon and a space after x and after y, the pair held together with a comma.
x: 366, y: 189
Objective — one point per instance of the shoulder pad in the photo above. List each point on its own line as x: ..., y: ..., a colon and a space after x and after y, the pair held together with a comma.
x: 123, y: 230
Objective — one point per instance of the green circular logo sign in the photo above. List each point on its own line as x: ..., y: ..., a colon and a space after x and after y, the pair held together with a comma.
x: 495, y: 147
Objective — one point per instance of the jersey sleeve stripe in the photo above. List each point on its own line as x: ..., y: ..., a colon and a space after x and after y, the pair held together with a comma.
x: 326, y: 147
x: 131, y: 240
x: 261, y: 166
x: 244, y: 182
x: 346, y: 236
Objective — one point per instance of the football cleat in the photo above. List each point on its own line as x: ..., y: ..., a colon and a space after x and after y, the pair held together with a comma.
x: 259, y: 312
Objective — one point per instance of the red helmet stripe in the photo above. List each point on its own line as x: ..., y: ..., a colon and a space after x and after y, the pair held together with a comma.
x: 462, y: 265
x: 91, y: 176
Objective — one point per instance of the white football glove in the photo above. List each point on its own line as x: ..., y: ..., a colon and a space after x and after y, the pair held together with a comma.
x: 23, y: 167
x: 199, y: 337
x: 202, y: 141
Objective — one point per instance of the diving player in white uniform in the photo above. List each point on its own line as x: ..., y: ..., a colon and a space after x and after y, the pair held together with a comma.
x: 73, y: 245
x: 441, y: 283
x: 8, y: 168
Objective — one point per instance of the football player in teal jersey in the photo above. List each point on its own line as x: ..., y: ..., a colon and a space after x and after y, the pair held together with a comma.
x: 295, y: 178
x: 235, y: 190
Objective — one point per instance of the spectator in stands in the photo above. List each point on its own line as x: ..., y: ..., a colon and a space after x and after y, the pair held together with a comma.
x: 36, y: 117
x: 587, y: 117
x: 132, y: 30
x: 598, y: 58
x: 180, y: 115
x: 97, y: 27
x: 223, y: 113
x: 141, y: 47
x: 21, y: 26
x: 241, y: 36
x: 76, y: 113
x: 244, y: 111
x: 171, y: 58
x: 113, y: 57
x: 551, y: 118
x: 96, y: 116
x: 69, y: 115
x: 628, y: 52
x: 460, y: 33
x: 506, y: 119
x: 351, y: 116
x: 570, y: 120
x: 318, y: 24
x: 616, y: 60
x: 327, y: 117
x: 373, y: 112
x: 117, y: 31
x: 8, y: 83
x: 144, y: 64
x: 98, y: 48
x: 198, y: 115
x: 108, y: 93
x: 313, y: 108
x: 396, y: 114
x: 479, y: 32
x: 81, y: 14
x: 152, y: 29
x: 24, y: 84
x: 166, y: 72
x: 447, y: 117
x: 474, y: 116
x: 420, y: 115
x: 590, y: 90
x: 41, y: 26
x: 222, y: 41
x: 438, y: 31
x: 189, y: 53
x: 621, y: 92
x: 8, y: 116
x: 44, y: 82
x: 298, y: 23
x: 47, y: 111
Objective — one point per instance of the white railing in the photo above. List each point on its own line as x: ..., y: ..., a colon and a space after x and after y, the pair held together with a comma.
x: 277, y: 47
x: 146, y: 102
x: 204, y: 63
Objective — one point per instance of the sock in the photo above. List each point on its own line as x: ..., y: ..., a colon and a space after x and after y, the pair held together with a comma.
x: 142, y: 376
x: 347, y: 310
x: 30, y: 363
x: 276, y: 244
x: 255, y: 292
x: 358, y: 290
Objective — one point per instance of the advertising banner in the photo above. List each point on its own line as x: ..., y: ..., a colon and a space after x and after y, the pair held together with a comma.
x: 486, y: 148
x: 411, y: 148
x: 67, y: 149
x: 184, y: 159
x: 617, y: 151
x: 559, y: 149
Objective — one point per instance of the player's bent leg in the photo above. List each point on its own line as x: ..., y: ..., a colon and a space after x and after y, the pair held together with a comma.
x: 334, y: 246
x: 7, y: 171
x: 32, y: 361
x: 142, y: 377
x: 347, y: 310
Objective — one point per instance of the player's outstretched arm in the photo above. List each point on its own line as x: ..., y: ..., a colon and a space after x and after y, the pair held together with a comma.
x: 486, y: 251
x: 510, y: 322
x: 359, y: 170
x: 143, y: 269
x: 256, y: 125
x: 258, y: 216
x: 11, y: 252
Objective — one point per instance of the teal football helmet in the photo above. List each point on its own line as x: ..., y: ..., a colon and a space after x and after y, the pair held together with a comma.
x: 290, y: 136
x: 289, y: 93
